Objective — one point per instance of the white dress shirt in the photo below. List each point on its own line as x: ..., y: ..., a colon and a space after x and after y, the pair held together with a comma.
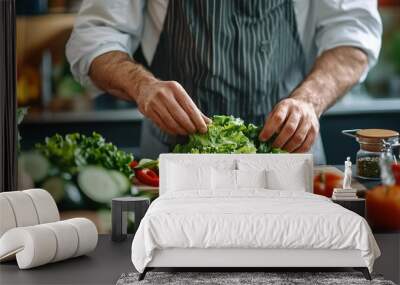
x: 121, y: 25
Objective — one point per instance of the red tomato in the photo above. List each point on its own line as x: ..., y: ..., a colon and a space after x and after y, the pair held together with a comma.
x: 396, y: 173
x: 133, y: 164
x: 388, y: 3
x: 325, y: 182
x: 147, y: 176
x: 383, y: 207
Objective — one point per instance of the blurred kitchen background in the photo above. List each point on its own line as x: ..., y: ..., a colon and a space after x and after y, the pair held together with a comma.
x: 56, y: 103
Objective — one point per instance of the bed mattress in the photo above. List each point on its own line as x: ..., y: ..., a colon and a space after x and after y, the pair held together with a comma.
x: 250, y: 219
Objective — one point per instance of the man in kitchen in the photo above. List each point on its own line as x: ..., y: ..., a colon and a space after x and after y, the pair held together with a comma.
x: 276, y: 63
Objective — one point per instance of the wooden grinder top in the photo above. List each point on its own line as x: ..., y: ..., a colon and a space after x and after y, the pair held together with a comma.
x: 371, y: 139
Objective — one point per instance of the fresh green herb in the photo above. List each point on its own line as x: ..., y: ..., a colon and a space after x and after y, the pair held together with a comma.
x: 227, y: 134
x: 71, y: 152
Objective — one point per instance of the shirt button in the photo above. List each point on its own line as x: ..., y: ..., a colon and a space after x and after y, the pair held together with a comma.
x: 263, y: 46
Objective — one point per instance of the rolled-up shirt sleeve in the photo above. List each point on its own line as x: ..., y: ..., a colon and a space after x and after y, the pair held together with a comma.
x: 349, y: 23
x: 103, y: 26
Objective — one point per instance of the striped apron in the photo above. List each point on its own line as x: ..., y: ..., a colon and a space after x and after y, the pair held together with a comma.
x: 232, y: 57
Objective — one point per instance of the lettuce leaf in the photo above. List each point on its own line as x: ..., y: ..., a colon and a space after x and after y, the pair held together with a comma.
x: 73, y: 151
x: 227, y: 134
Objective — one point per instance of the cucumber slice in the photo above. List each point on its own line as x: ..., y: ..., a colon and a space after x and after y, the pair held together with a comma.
x: 73, y: 199
x: 65, y: 193
x: 55, y: 186
x: 98, y: 184
x: 104, y: 217
x: 121, y: 180
x: 35, y: 165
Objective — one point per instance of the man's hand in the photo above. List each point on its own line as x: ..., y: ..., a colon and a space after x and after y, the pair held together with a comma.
x: 295, y: 119
x: 168, y: 105
x: 296, y: 124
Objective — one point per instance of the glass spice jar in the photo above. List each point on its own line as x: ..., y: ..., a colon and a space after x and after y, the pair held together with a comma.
x: 373, y: 144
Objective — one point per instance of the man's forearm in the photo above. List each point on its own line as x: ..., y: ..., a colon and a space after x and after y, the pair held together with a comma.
x: 334, y: 73
x: 166, y: 103
x: 119, y: 75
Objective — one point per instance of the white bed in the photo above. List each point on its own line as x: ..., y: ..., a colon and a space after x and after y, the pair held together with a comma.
x: 248, y: 227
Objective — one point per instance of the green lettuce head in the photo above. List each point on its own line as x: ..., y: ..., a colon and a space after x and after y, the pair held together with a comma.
x: 226, y: 134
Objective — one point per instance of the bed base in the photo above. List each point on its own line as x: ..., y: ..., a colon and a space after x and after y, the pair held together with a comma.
x: 363, y: 270
x: 242, y: 259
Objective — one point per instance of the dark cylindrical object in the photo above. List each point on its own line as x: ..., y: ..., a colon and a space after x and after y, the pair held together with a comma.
x: 119, y: 209
x: 8, y: 103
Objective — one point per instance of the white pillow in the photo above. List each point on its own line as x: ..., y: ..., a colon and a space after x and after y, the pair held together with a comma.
x: 224, y: 164
x: 251, y: 178
x: 227, y: 179
x: 188, y: 177
x: 283, y: 172
x: 293, y: 180
x: 224, y: 179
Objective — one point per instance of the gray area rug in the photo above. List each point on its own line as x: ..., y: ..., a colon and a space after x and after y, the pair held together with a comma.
x: 236, y: 278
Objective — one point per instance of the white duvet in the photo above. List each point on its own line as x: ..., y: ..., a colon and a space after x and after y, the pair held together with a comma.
x: 250, y: 219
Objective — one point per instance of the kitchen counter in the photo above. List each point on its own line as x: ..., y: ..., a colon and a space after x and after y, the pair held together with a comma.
x: 345, y: 107
x: 358, y: 106
x: 123, y: 126
x: 116, y: 115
